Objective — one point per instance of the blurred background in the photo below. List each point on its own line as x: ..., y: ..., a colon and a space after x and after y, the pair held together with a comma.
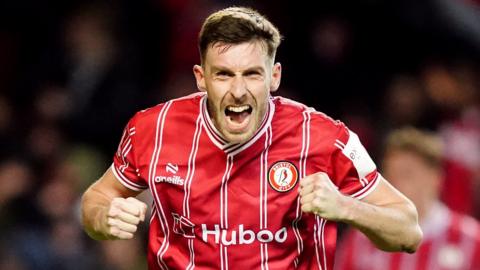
x: 73, y: 72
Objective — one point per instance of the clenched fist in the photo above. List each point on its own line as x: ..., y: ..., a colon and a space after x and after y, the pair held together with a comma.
x: 320, y: 196
x: 123, y: 216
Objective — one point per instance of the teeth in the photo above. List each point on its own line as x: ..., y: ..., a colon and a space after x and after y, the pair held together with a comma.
x: 238, y: 109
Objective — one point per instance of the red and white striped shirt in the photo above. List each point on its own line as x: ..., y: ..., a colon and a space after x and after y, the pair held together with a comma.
x: 219, y: 205
x: 451, y: 241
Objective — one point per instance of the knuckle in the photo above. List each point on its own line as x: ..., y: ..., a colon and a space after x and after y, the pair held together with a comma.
x: 115, y: 209
x: 135, y: 201
x: 322, y: 175
x: 302, y: 201
x: 115, y: 213
x: 316, y: 203
x: 136, y: 221
x: 114, y: 231
x: 112, y: 211
x: 134, y: 208
x: 131, y: 220
x: 124, y: 217
x: 132, y: 202
x: 117, y: 201
x: 127, y: 235
x: 111, y: 221
x: 303, y: 181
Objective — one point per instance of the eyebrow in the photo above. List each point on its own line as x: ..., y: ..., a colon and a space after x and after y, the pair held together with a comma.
x: 223, y: 68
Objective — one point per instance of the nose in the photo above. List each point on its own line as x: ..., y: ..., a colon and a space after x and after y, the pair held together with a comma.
x: 239, y: 87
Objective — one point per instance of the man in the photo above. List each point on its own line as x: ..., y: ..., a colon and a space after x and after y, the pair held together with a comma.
x: 226, y: 167
x: 413, y: 163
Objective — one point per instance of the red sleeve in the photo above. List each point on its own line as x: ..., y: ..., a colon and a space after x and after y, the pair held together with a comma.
x: 350, y: 167
x: 124, y: 162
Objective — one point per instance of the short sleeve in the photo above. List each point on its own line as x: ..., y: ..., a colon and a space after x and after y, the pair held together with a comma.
x: 351, y: 168
x: 124, y: 162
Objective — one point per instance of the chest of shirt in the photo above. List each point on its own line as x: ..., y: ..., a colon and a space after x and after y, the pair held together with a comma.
x: 256, y: 187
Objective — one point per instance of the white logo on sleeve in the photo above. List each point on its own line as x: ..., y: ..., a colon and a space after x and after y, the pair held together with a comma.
x: 355, y: 151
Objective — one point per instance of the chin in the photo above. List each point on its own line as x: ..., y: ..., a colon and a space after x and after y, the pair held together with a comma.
x: 239, y: 138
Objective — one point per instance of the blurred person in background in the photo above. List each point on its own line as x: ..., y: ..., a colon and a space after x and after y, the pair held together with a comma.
x: 40, y: 228
x: 100, y: 74
x: 454, y: 90
x: 222, y: 168
x: 413, y: 163
x: 405, y: 102
x: 59, y: 65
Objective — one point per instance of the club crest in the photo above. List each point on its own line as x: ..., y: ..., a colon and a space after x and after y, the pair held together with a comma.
x: 283, y: 176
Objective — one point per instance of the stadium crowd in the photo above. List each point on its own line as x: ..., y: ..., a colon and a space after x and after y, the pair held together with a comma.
x: 73, y: 72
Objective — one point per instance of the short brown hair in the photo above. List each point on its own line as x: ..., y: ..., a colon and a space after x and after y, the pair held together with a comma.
x: 236, y: 25
x: 425, y: 144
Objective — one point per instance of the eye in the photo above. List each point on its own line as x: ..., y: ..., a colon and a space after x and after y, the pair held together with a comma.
x: 252, y: 73
x: 222, y: 74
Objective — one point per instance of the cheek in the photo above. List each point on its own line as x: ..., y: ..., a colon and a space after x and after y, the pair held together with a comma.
x: 216, y: 90
x: 399, y: 177
x: 405, y: 186
x: 260, y: 92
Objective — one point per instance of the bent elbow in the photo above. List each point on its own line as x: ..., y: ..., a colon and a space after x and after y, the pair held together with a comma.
x: 415, y: 234
x: 414, y: 240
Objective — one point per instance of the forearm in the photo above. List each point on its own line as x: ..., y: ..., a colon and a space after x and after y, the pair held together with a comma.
x: 110, y: 210
x: 94, y: 209
x: 392, y: 227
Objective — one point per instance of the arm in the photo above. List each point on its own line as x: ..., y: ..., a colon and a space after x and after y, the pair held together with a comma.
x: 385, y: 216
x: 109, y: 209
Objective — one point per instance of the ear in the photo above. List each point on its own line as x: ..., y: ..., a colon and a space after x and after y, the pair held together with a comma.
x: 199, y: 77
x: 276, y: 77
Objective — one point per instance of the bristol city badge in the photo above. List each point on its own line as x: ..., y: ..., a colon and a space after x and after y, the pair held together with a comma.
x: 283, y: 176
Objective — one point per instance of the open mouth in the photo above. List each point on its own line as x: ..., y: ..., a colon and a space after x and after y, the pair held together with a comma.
x: 238, y: 115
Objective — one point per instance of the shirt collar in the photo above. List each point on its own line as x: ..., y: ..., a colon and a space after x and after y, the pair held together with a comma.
x: 234, y: 148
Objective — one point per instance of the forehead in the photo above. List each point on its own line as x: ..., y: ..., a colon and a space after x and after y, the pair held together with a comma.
x: 237, y: 55
x: 404, y: 157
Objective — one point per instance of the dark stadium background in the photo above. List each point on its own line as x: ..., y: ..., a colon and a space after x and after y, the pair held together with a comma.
x: 73, y: 72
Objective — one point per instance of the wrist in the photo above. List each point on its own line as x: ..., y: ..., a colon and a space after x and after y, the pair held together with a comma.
x: 95, y: 224
x: 101, y: 222
x: 347, y: 206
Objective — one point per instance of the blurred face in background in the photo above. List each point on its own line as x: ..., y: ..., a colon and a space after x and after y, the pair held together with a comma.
x: 413, y: 176
x: 238, y: 79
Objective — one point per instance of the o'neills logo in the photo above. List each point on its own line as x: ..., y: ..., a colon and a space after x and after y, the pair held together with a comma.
x: 283, y: 176
x: 242, y: 237
x: 176, y: 180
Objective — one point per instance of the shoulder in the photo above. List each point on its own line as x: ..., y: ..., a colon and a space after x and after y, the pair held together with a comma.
x: 288, y: 107
x: 181, y: 106
x: 321, y: 126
